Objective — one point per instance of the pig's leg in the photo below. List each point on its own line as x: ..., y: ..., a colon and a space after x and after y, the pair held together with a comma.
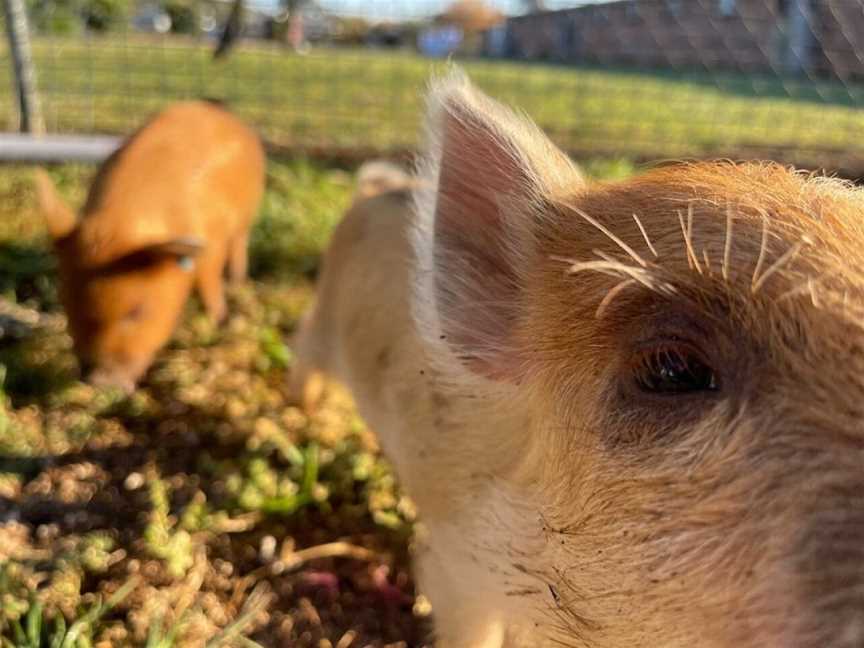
x: 211, y: 289
x: 238, y: 258
x: 306, y: 382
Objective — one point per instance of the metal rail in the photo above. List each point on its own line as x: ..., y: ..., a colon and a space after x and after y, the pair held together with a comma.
x: 16, y: 147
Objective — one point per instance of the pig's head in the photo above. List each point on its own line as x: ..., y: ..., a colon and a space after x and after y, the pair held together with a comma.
x: 686, y: 352
x: 122, y: 302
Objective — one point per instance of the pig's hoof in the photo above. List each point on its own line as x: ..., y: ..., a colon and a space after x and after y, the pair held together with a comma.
x: 111, y: 380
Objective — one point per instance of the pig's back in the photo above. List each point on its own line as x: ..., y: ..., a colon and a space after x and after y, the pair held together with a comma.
x: 195, y: 169
x: 365, y: 331
x: 364, y: 290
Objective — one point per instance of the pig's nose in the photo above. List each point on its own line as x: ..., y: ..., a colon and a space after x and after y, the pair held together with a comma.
x: 104, y: 378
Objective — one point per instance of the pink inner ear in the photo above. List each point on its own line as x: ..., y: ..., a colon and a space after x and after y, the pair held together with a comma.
x: 477, y: 288
x: 479, y: 163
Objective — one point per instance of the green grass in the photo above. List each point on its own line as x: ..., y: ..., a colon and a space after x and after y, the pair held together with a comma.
x: 360, y: 99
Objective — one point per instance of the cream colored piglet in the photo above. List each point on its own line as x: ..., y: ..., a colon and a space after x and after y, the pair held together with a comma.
x: 631, y: 413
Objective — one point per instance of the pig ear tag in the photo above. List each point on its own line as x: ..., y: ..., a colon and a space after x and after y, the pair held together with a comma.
x: 186, y: 263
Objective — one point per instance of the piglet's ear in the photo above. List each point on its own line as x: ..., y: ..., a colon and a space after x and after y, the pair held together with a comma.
x: 181, y: 247
x: 493, y: 169
x: 59, y: 218
x: 183, y: 250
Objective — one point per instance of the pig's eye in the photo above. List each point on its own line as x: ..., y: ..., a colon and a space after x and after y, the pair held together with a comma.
x: 672, y: 367
x: 134, y: 313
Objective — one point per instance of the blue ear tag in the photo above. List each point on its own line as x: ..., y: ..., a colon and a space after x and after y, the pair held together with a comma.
x: 186, y: 263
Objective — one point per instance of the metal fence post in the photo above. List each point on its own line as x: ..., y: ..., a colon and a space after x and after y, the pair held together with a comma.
x: 30, y: 111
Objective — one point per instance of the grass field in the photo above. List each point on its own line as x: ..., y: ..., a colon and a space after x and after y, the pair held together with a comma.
x: 348, y: 99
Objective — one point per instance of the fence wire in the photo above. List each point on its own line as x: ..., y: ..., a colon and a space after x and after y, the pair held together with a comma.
x: 633, y: 78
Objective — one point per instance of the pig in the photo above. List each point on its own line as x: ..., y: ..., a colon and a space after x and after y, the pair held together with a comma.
x: 630, y: 413
x: 169, y: 210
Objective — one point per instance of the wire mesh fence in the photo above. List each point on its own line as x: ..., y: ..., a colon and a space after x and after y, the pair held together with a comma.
x: 636, y: 78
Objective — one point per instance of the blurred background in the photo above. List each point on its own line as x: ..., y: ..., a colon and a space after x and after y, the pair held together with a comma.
x: 206, y: 509
x: 645, y: 79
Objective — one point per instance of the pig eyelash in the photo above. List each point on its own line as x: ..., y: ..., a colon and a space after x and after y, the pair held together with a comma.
x: 727, y: 243
x: 645, y: 235
x: 614, y: 292
x: 779, y: 263
x: 687, y: 231
x: 609, y: 266
x: 811, y: 286
x: 615, y: 239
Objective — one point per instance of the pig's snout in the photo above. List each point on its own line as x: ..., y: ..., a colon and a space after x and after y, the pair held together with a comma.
x: 102, y: 377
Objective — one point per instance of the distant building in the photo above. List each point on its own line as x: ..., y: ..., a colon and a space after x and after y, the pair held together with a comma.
x: 824, y: 37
